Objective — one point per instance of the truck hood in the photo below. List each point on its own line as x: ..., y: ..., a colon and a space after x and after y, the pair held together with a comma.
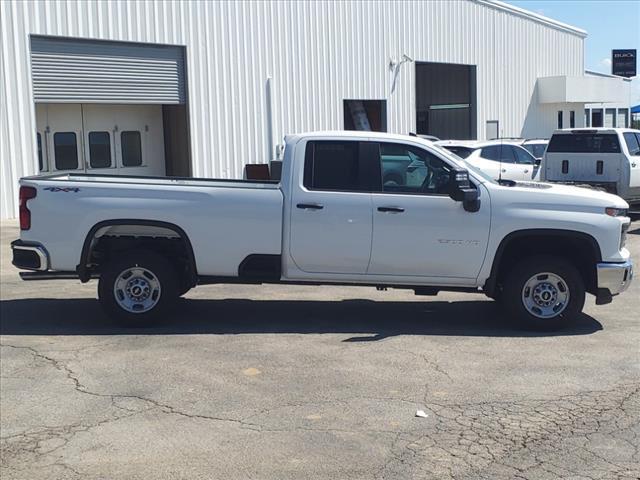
x: 563, y: 197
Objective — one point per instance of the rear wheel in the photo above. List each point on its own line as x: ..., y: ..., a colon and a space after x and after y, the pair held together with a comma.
x: 138, y: 289
x: 543, y: 293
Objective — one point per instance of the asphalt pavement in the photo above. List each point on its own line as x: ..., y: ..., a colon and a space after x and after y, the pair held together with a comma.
x: 288, y: 382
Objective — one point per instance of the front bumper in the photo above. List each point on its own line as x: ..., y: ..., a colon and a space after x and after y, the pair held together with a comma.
x: 615, y: 277
x: 29, y: 256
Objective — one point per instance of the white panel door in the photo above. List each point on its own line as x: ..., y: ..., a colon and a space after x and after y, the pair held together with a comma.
x: 610, y: 118
x: 64, y: 142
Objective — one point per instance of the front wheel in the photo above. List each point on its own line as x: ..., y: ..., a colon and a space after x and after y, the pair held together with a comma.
x: 544, y: 293
x: 138, y: 289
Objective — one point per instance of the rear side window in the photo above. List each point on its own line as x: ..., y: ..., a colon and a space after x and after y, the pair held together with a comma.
x: 632, y: 140
x: 334, y: 165
x: 584, y: 143
x: 499, y: 153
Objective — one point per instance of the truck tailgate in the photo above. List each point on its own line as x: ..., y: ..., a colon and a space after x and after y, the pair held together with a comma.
x: 583, y: 167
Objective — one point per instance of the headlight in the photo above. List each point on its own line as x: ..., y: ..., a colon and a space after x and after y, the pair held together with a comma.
x: 616, y: 212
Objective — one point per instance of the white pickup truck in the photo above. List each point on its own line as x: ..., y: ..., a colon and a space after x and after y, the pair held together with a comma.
x: 536, y: 248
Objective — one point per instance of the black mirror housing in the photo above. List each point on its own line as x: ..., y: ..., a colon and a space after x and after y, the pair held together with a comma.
x: 461, y: 190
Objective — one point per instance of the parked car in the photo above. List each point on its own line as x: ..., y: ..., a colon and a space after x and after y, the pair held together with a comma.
x: 536, y: 147
x: 537, y: 248
x: 607, y: 158
x: 501, y: 159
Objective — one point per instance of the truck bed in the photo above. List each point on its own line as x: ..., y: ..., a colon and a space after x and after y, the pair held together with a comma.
x: 237, y: 217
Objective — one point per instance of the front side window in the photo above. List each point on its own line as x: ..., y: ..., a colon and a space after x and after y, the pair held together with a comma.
x: 523, y: 157
x: 65, y: 149
x: 131, y: 149
x: 536, y: 149
x: 99, y: 149
x: 334, y: 165
x: 632, y: 139
x: 498, y: 153
x: 407, y: 169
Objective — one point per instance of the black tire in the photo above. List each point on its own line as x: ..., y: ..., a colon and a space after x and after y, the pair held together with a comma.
x: 159, y: 272
x: 513, y: 295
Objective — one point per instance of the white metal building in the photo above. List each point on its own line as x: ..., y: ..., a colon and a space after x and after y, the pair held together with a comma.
x: 202, y: 88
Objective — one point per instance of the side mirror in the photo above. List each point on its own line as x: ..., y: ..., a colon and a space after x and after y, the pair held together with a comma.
x: 460, y: 190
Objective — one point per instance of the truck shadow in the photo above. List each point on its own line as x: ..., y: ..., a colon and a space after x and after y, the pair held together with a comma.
x: 367, y: 320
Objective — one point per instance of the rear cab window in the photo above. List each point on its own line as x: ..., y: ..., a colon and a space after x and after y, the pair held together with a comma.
x: 588, y: 142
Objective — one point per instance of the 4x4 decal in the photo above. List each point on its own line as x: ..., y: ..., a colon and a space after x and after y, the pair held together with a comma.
x: 63, y: 189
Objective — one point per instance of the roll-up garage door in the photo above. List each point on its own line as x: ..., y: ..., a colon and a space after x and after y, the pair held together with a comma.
x: 92, y: 71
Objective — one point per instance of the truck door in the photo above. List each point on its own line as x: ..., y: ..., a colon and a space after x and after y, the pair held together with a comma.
x: 330, y: 213
x: 632, y: 139
x: 418, y: 230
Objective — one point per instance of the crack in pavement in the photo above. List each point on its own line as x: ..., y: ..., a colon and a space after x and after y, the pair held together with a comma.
x: 492, y: 439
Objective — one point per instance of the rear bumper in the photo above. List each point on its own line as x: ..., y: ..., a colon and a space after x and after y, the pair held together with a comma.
x: 615, y: 277
x: 29, y: 256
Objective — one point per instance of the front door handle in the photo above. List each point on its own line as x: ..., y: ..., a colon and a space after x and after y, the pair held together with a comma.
x: 310, y: 206
x: 391, y: 209
x: 504, y: 170
x: 526, y: 170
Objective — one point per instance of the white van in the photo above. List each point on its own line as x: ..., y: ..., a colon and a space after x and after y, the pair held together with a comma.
x: 608, y: 158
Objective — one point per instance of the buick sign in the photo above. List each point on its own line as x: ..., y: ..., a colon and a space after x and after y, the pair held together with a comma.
x: 623, y: 63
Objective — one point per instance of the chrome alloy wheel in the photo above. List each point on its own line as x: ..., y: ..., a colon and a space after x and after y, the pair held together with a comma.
x: 137, y: 290
x: 545, y: 295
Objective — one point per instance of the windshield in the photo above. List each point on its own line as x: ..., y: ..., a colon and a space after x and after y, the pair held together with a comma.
x: 463, y: 163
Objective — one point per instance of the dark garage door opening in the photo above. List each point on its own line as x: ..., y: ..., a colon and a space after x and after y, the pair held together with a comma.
x: 446, y: 100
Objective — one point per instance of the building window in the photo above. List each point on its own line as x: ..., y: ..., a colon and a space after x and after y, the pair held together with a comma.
x: 572, y: 119
x: 131, y: 149
x: 40, y: 165
x: 623, y: 118
x: 99, y: 149
x: 65, y: 149
x: 367, y: 115
x: 587, y: 117
x: 559, y: 118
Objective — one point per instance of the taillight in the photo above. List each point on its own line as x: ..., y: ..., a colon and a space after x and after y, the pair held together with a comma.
x: 26, y: 194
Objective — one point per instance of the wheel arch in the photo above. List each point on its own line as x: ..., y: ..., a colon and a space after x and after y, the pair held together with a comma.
x: 159, y: 228
x: 542, y: 239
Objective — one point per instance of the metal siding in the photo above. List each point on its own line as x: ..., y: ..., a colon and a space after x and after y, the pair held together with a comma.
x: 317, y: 53
x: 89, y: 71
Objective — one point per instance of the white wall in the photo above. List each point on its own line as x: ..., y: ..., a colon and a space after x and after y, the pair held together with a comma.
x: 318, y: 53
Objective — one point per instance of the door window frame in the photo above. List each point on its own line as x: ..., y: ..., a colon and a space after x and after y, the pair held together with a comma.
x: 112, y: 162
x: 79, y: 156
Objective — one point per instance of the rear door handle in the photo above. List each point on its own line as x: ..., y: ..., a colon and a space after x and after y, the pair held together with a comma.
x: 310, y: 206
x: 391, y: 209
